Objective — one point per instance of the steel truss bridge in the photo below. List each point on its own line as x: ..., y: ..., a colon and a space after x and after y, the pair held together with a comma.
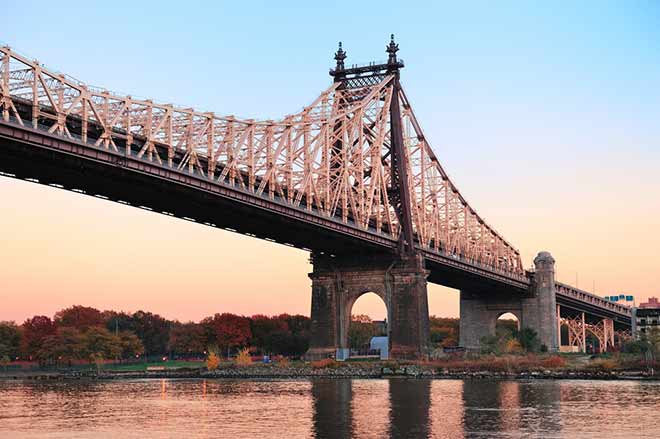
x: 351, y: 173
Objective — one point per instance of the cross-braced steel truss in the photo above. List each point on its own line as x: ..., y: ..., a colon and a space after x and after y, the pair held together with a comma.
x: 576, y: 331
x: 333, y: 157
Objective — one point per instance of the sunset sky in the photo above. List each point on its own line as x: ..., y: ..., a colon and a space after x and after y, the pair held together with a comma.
x: 547, y: 117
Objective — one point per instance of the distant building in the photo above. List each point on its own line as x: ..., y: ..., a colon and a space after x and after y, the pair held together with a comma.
x: 652, y: 303
x: 646, y: 317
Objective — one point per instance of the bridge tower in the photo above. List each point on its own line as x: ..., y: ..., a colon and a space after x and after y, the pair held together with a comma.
x: 537, y: 309
x: 399, y: 278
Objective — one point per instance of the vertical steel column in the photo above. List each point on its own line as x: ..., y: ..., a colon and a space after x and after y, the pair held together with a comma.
x: 559, y: 327
x: 584, y: 335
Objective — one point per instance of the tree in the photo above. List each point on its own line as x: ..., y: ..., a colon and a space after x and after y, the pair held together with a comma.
x: 67, y: 345
x: 80, y: 317
x: 5, y: 361
x: 270, y: 334
x: 212, y: 361
x: 130, y: 344
x: 361, y: 331
x: 443, y: 331
x: 118, y: 321
x: 10, y: 340
x: 361, y: 318
x: 187, y: 338
x: 229, y: 330
x: 652, y: 340
x: 297, y: 323
x: 529, y: 340
x: 36, y: 331
x: 153, y: 330
x: 300, y: 326
x: 244, y: 358
x: 98, y: 342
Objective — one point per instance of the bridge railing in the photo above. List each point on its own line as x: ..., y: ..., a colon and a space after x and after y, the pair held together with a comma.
x: 587, y: 297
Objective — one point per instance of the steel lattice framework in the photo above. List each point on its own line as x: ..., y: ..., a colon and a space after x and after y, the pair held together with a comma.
x: 333, y: 158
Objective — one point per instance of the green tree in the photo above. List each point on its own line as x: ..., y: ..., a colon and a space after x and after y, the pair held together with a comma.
x: 5, y: 361
x: 529, y: 340
x: 10, y: 340
x: 131, y: 345
x: 361, y: 331
x: 153, y: 330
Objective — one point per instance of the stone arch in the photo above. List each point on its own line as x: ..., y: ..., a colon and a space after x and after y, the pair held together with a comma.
x: 515, y: 313
x: 499, y: 314
x: 351, y: 295
x: 350, y: 305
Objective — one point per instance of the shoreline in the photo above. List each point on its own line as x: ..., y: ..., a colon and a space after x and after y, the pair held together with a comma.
x: 290, y: 373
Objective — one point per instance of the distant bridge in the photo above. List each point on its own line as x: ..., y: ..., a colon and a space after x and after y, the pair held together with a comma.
x: 351, y: 178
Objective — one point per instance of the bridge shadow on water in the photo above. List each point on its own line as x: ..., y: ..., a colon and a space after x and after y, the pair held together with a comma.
x: 405, y: 408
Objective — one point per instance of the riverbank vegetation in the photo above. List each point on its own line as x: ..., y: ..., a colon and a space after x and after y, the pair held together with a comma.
x: 83, y: 335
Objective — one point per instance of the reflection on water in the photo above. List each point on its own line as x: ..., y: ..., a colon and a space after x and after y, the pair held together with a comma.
x: 340, y: 408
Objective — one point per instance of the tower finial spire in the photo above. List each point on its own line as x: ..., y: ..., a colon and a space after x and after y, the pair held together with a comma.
x: 392, y: 49
x: 340, y: 56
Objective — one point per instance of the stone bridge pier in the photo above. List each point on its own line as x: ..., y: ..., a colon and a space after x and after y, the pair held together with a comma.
x: 337, y: 282
x: 480, y: 309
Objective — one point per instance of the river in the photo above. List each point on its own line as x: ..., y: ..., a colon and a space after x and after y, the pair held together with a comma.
x: 338, y: 408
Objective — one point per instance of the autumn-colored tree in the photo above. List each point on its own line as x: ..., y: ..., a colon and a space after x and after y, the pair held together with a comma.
x: 361, y: 318
x: 80, y: 317
x: 187, y: 338
x: 443, y: 331
x: 67, y: 345
x: 244, y: 358
x: 10, y: 340
x: 212, y: 361
x: 229, y: 330
x: 35, y: 331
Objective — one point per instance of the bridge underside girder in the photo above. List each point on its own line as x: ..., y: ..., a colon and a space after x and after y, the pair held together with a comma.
x: 32, y: 154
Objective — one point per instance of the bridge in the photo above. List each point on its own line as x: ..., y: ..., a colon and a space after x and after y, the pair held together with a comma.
x: 351, y: 178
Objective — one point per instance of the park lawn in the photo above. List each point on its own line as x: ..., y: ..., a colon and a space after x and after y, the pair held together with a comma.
x: 141, y: 367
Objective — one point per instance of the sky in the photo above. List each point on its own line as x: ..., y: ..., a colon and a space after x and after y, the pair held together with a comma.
x: 546, y: 115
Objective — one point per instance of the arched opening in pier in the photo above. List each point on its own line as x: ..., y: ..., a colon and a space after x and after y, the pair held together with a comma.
x: 368, y: 327
x: 507, y: 324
